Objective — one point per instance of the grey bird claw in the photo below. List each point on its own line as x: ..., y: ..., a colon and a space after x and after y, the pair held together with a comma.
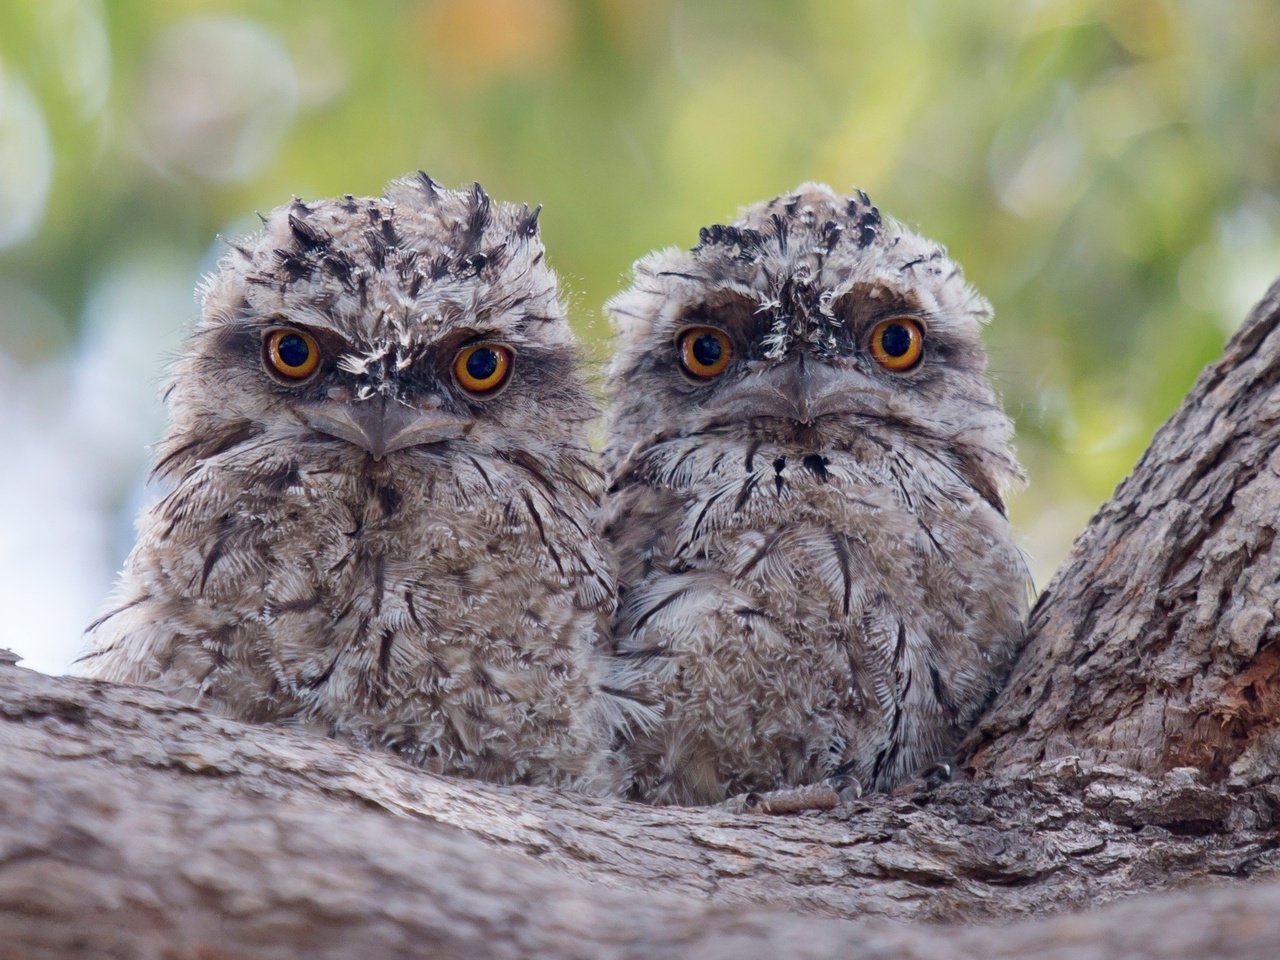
x: 927, y: 780
x: 935, y: 775
x: 847, y: 787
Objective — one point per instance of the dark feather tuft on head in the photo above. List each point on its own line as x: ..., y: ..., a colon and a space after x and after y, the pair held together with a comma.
x: 478, y: 219
x: 529, y: 226
x: 294, y: 266
x: 308, y: 237
x: 747, y: 241
x: 429, y: 186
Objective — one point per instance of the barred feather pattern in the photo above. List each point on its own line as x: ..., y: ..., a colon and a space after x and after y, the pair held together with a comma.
x: 804, y: 594
x: 449, y: 600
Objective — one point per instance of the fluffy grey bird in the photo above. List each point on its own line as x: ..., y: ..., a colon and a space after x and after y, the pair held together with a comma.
x: 807, y: 465
x: 380, y: 516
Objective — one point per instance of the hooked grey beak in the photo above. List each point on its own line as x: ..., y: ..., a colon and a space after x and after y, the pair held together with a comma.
x: 381, y: 425
x: 799, y: 389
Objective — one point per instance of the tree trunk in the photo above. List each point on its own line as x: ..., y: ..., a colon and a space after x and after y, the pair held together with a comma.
x: 1155, y: 645
x: 1136, y: 750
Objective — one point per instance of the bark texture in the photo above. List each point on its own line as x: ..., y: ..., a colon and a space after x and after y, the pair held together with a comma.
x: 1135, y: 751
x: 1155, y: 645
x: 131, y: 826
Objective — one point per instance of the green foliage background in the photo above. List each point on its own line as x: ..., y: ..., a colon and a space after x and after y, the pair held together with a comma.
x: 1106, y: 171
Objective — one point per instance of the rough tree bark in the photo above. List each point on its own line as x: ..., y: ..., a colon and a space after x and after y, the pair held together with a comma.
x: 1135, y: 751
x: 1155, y: 645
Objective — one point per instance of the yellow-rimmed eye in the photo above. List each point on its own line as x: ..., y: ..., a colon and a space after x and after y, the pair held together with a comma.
x: 897, y: 344
x: 705, y: 352
x: 292, y: 354
x: 482, y: 368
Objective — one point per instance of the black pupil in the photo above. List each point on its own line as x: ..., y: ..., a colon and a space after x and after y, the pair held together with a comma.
x: 707, y: 349
x: 293, y: 350
x: 483, y: 363
x: 896, y: 340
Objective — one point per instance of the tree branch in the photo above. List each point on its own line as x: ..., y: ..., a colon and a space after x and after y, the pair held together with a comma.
x: 151, y: 827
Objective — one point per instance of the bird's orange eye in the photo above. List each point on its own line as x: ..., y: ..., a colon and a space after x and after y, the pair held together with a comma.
x: 292, y: 354
x: 482, y: 368
x: 705, y: 352
x: 897, y: 344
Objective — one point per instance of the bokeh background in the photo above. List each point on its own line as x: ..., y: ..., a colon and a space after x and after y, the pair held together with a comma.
x: 1108, y: 172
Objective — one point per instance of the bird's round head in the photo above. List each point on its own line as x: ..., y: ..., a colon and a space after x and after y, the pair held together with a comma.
x: 811, y: 321
x: 370, y: 328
